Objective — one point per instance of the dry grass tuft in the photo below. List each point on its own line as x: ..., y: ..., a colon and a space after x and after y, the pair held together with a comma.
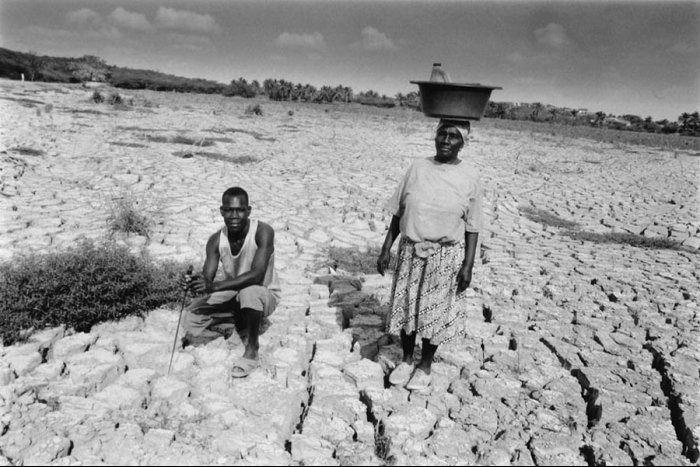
x: 126, y: 216
x: 128, y: 145
x: 216, y: 156
x: 27, y: 151
x: 179, y: 139
x: 254, y: 110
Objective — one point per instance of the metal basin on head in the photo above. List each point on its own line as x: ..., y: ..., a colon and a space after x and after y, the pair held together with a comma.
x: 454, y: 100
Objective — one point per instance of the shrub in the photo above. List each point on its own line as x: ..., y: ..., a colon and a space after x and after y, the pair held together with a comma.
x: 115, y: 99
x: 80, y: 287
x: 97, y: 97
x: 253, y: 110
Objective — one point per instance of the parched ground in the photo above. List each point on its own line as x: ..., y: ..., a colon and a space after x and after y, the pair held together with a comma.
x: 582, y: 349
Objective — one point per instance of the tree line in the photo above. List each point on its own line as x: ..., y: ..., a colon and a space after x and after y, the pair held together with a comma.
x: 92, y: 68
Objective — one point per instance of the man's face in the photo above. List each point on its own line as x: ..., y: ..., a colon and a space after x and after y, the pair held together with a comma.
x: 235, y: 211
x: 448, y: 142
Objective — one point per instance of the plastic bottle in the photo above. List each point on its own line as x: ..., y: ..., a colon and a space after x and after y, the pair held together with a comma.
x: 438, y: 74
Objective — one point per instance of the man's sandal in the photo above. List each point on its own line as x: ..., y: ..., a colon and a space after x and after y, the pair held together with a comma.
x: 243, y: 367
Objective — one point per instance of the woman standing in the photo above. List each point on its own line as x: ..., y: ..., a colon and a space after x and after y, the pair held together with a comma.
x: 437, y: 210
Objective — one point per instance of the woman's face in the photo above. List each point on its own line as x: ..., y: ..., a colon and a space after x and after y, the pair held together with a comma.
x: 448, y: 143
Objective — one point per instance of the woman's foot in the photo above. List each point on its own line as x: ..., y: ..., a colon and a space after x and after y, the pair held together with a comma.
x: 420, y: 381
x: 401, y: 374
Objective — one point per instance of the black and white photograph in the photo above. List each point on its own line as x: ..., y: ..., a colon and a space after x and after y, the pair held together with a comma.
x: 350, y: 232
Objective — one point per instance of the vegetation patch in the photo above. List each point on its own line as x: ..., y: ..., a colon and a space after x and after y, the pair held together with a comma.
x: 24, y: 101
x: 546, y: 218
x: 221, y: 140
x: 216, y: 156
x: 27, y: 151
x: 128, y: 145
x: 136, y: 128
x: 572, y: 230
x: 80, y: 287
x: 639, y: 241
x: 179, y: 139
x: 603, y: 135
x: 254, y: 134
x: 87, y: 111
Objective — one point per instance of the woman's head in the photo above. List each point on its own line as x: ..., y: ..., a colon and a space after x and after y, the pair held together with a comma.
x: 450, y: 137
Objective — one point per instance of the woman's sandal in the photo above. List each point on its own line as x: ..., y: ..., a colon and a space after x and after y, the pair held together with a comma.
x: 420, y: 381
x: 401, y: 374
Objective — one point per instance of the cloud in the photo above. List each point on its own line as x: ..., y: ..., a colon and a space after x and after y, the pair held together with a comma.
x: 684, y: 47
x: 553, y: 35
x: 85, y: 17
x: 182, y: 20
x: 50, y: 36
x: 312, y: 41
x: 374, y: 40
x: 126, y: 19
x: 189, y: 42
x: 515, y: 58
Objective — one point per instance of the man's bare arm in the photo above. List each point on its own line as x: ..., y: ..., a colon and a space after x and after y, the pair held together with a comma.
x: 201, y: 283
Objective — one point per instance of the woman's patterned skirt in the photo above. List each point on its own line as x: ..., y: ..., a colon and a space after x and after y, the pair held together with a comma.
x: 424, y: 295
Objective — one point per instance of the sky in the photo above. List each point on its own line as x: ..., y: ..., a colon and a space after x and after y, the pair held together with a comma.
x: 637, y: 57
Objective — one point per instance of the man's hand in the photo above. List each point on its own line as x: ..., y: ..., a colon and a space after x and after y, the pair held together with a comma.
x: 464, y: 278
x: 185, y: 281
x: 200, y: 285
x: 383, y: 261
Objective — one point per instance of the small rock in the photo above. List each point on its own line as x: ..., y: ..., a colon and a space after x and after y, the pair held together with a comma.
x: 47, y: 337
x: 692, y: 242
x: 23, y: 364
x: 120, y: 397
x: 171, y: 390
x: 71, y: 345
x: 159, y: 437
x: 6, y: 375
x: 365, y: 374
x: 46, y: 451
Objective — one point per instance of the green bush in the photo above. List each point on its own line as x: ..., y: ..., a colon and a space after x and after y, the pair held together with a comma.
x: 80, y: 287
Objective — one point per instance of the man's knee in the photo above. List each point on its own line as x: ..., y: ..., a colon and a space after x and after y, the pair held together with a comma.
x: 253, y: 297
x: 194, y: 323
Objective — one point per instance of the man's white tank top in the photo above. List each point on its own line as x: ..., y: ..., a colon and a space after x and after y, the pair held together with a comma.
x: 235, y: 265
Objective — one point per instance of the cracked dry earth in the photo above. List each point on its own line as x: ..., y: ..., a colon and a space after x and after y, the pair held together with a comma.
x: 578, y: 352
